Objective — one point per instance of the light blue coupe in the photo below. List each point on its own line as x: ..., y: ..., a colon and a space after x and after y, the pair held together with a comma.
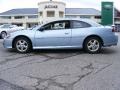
x: 63, y: 34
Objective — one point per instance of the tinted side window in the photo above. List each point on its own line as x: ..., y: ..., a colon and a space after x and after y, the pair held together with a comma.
x: 80, y: 24
x: 57, y: 25
x: 5, y: 26
x: 47, y: 26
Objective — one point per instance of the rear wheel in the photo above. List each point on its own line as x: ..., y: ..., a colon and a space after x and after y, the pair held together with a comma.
x: 92, y: 45
x: 22, y: 45
x: 3, y: 34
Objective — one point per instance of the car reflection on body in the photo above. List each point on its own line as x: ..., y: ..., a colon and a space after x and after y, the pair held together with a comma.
x: 63, y: 34
x: 8, y: 28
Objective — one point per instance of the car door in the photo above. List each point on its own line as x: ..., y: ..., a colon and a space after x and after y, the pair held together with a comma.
x: 80, y: 30
x: 56, y: 33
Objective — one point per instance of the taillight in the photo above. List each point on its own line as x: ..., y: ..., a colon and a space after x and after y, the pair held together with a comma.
x: 114, y: 29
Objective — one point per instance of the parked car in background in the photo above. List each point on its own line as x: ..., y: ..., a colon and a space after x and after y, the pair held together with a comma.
x: 63, y: 34
x: 8, y: 28
x: 117, y: 27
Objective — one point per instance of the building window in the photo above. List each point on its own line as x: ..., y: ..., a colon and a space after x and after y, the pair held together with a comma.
x: 117, y: 19
x: 18, y: 24
x: 41, y: 14
x: 6, y: 17
x: 19, y: 17
x: 70, y: 16
x: 85, y: 16
x: 50, y: 14
x: 61, y: 14
x: 33, y: 16
x: 97, y: 17
x: 31, y: 25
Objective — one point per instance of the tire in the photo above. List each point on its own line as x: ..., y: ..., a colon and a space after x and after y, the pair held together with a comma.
x: 92, y: 45
x: 3, y: 34
x: 22, y: 45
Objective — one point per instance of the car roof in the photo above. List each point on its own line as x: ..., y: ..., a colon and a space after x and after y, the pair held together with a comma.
x: 91, y: 22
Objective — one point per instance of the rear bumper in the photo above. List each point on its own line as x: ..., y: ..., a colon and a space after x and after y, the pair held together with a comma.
x: 112, y: 41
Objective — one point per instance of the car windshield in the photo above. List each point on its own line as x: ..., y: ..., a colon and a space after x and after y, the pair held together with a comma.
x: 33, y: 27
x: 36, y: 27
x: 96, y: 24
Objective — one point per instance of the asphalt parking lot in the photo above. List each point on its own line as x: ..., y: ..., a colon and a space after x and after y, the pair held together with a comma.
x: 60, y: 70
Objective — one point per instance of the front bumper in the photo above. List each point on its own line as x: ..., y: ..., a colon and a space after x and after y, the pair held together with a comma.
x: 7, y: 43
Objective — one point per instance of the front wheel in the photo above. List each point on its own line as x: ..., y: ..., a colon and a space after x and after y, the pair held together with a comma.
x: 22, y: 45
x: 92, y: 45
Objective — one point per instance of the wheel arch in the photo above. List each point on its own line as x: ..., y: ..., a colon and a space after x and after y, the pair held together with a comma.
x: 23, y: 36
x: 93, y: 36
x: 1, y: 33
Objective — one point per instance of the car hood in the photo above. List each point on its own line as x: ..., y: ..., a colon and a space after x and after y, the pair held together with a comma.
x: 29, y: 33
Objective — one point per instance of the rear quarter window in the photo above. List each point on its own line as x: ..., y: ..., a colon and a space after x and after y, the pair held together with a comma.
x: 80, y: 24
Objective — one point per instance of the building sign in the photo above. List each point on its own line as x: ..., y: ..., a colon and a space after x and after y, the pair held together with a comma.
x: 108, y: 6
x: 107, y: 13
x: 51, y: 6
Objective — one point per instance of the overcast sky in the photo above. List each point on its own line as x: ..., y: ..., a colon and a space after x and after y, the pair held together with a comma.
x: 11, y: 4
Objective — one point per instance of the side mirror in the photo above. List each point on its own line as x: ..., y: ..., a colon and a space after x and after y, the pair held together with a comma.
x: 41, y: 29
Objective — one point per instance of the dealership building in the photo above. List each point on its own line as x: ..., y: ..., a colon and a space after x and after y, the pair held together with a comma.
x: 48, y: 11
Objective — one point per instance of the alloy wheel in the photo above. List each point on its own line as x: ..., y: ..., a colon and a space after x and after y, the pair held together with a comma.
x: 93, y: 45
x: 21, y: 45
